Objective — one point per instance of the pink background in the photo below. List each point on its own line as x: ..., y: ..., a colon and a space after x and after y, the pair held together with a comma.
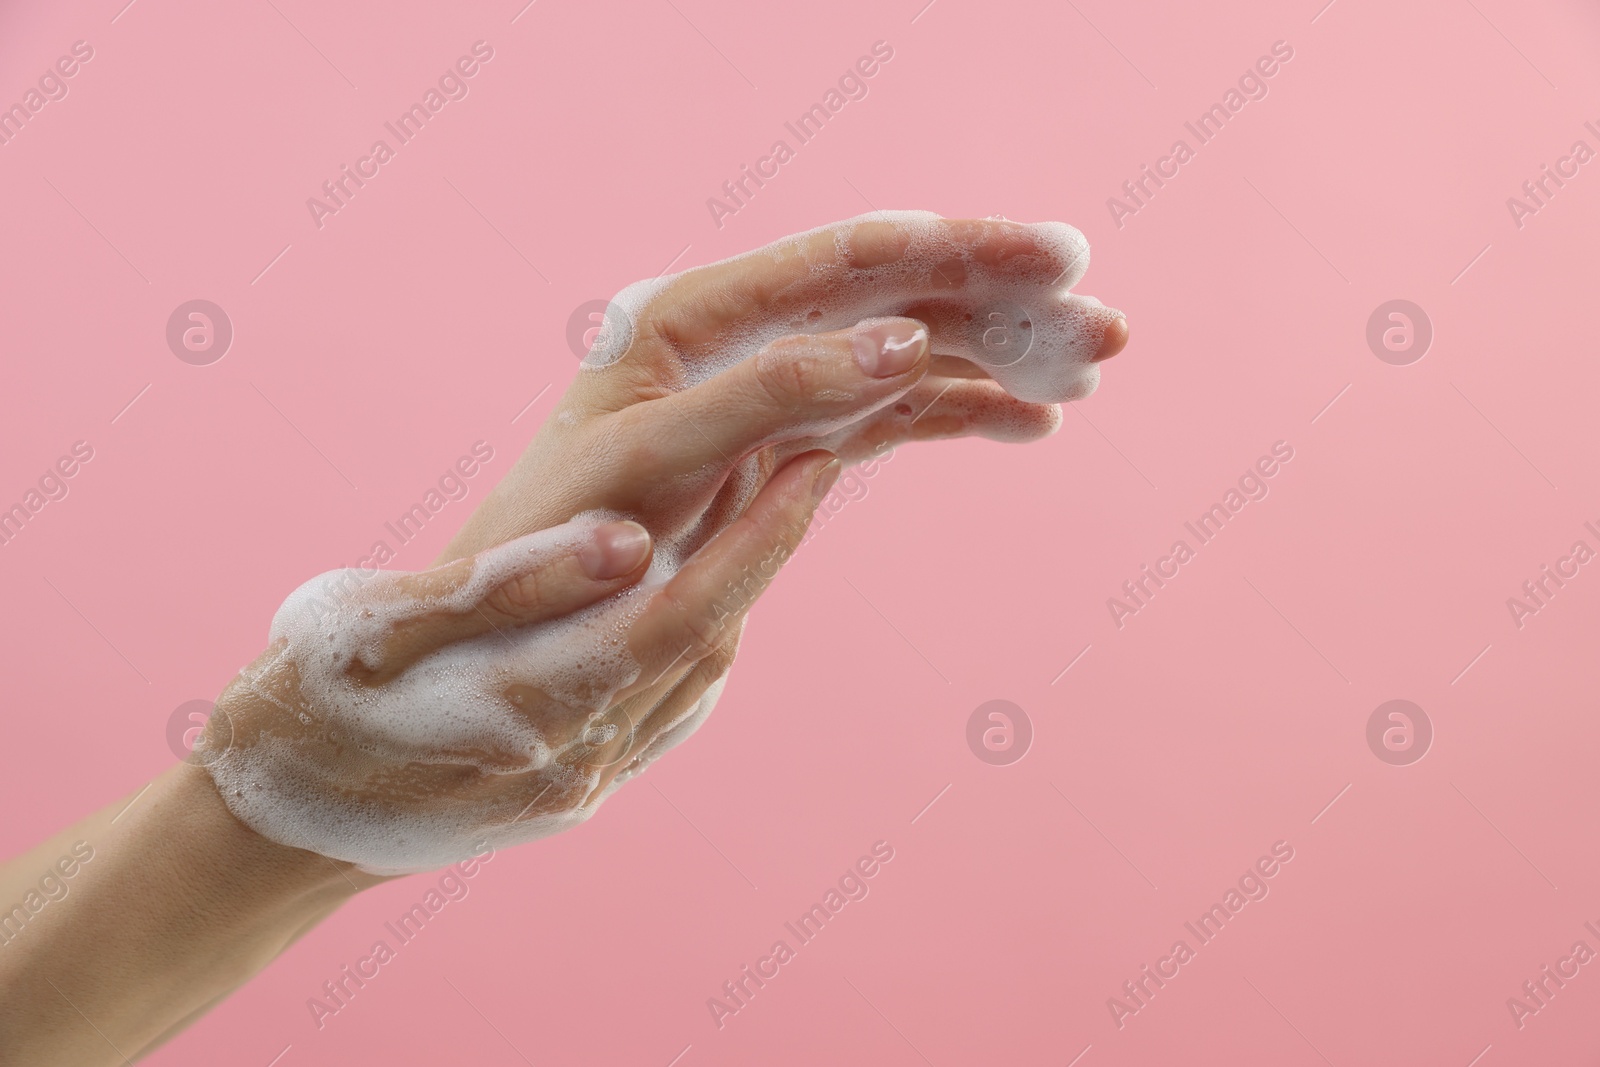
x: 1222, y: 718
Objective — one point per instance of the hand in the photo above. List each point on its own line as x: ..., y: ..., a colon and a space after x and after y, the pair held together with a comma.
x: 701, y: 383
x: 417, y: 718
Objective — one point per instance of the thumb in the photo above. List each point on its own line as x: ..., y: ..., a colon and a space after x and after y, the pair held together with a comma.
x: 541, y: 576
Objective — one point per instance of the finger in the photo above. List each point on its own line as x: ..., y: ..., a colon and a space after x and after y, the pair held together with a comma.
x: 636, y: 730
x: 938, y: 408
x: 975, y: 282
x: 973, y: 408
x: 845, y: 265
x: 1041, y: 348
x: 542, y: 576
x: 954, y: 367
x: 692, y: 615
x: 1114, y: 341
x: 801, y: 385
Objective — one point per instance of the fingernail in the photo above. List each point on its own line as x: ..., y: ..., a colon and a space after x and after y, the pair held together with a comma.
x: 825, y: 479
x: 615, y: 549
x: 1113, y: 340
x: 890, y: 348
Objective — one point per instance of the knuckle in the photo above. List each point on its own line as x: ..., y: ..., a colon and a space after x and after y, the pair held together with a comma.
x: 520, y: 597
x: 629, y: 442
x: 719, y: 662
x: 792, y: 377
x: 875, y: 243
x: 794, y: 532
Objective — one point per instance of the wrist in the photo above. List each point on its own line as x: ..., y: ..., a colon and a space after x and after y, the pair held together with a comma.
x: 179, y: 904
x: 221, y: 852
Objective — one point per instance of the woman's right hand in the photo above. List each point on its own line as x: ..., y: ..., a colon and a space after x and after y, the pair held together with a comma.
x: 404, y: 721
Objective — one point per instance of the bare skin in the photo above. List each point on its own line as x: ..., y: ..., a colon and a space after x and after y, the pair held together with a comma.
x: 180, y: 903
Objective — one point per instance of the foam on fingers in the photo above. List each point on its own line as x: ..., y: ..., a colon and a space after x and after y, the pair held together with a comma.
x: 1007, y: 286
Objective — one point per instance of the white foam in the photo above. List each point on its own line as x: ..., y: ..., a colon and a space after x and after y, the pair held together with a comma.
x: 324, y: 775
x: 1035, y: 339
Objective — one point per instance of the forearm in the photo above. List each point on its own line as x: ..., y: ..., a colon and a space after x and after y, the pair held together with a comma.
x: 177, y: 905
